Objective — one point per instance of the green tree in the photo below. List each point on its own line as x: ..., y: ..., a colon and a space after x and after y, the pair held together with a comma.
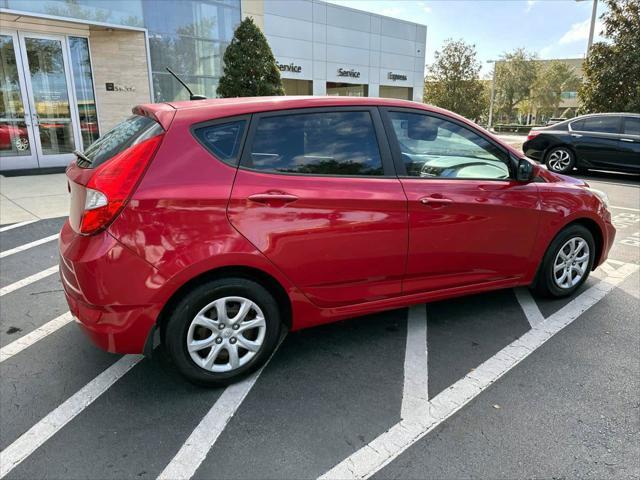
x: 553, y: 79
x: 250, y: 69
x: 515, y: 75
x: 453, y: 82
x: 612, y: 70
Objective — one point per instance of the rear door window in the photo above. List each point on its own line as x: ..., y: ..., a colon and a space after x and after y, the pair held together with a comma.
x: 604, y: 124
x: 322, y: 143
x: 224, y: 140
x: 632, y: 125
x: 133, y: 130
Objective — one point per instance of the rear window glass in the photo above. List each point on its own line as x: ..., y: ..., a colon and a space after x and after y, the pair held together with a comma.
x: 133, y: 130
x: 608, y: 124
x: 223, y: 140
x: 331, y: 143
x: 632, y: 125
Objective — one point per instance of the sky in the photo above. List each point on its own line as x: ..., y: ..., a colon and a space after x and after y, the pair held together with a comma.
x: 551, y: 28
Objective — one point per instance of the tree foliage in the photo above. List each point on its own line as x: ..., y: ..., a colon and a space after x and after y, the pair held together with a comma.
x: 612, y: 69
x: 453, y: 82
x: 553, y: 78
x: 250, y: 69
x: 515, y: 75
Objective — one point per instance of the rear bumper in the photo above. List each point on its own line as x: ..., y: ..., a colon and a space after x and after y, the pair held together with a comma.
x: 109, y: 290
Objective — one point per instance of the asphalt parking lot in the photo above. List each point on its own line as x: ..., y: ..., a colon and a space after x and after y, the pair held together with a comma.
x: 499, y: 385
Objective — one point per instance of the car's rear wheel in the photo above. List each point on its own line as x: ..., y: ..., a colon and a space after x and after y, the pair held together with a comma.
x: 223, y: 330
x: 567, y: 262
x: 560, y: 160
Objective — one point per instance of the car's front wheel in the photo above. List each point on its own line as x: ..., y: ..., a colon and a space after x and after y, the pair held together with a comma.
x: 567, y: 262
x: 223, y: 330
x: 560, y: 160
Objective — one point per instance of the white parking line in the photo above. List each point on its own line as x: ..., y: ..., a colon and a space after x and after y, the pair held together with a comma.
x: 529, y: 306
x: 33, y: 438
x: 416, y: 378
x: 625, y: 208
x: 195, y: 449
x: 16, y: 225
x: 27, y: 246
x: 382, y: 450
x: 38, y: 334
x: 28, y: 281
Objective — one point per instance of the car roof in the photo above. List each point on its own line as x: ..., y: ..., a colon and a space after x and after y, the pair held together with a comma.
x: 294, y: 101
x: 209, y: 109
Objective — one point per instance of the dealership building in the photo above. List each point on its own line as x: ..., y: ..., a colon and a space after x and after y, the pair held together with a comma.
x: 72, y: 69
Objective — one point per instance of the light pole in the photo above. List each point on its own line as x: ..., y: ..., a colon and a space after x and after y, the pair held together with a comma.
x: 593, y: 25
x: 493, y: 91
x: 594, y: 11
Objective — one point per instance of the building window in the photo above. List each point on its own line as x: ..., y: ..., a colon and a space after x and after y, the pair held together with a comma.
x: 85, y: 96
x: 116, y: 12
x: 190, y: 40
x: 347, y: 89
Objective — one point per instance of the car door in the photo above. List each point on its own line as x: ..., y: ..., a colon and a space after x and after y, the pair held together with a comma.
x: 630, y: 144
x: 596, y: 140
x: 316, y: 193
x: 469, y: 222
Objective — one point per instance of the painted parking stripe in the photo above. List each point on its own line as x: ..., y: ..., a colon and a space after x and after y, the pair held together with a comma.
x: 381, y: 451
x: 33, y: 438
x: 529, y: 306
x: 16, y: 225
x: 416, y: 378
x: 35, y: 336
x: 27, y: 246
x: 195, y: 449
x: 625, y: 208
x: 28, y: 281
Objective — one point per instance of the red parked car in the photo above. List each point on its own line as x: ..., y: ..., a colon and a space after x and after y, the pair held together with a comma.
x: 212, y: 225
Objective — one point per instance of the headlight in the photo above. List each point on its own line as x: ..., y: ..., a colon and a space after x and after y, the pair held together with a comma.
x: 604, y: 198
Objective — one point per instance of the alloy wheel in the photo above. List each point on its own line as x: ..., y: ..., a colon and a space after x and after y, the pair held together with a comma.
x: 226, y: 334
x: 559, y: 160
x: 571, y: 263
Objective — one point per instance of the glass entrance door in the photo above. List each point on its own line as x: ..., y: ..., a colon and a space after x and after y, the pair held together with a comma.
x: 16, y: 135
x: 41, y: 122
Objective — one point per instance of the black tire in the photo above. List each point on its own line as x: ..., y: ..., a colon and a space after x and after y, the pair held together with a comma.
x: 560, y: 160
x: 545, y: 283
x: 177, y: 328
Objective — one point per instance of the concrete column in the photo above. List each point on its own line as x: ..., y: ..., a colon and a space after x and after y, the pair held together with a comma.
x: 319, y: 87
x: 374, y: 90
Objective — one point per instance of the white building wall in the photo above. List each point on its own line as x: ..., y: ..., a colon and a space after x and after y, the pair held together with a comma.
x: 322, y: 38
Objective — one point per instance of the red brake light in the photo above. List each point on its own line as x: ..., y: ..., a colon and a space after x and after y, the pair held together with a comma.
x: 533, y: 134
x: 112, y: 184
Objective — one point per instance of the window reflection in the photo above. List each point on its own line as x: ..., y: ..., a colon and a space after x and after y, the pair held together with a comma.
x: 14, y: 139
x: 82, y: 79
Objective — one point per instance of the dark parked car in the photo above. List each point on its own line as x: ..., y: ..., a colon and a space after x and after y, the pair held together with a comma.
x: 603, y: 141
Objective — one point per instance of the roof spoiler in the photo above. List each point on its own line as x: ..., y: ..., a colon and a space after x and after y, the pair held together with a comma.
x: 162, y: 113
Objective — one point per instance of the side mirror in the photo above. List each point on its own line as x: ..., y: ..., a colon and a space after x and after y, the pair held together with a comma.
x: 524, y: 170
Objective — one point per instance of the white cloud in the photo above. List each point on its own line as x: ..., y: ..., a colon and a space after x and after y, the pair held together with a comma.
x: 579, y: 32
x: 530, y: 4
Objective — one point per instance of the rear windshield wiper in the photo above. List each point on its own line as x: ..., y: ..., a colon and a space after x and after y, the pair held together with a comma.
x: 82, y: 157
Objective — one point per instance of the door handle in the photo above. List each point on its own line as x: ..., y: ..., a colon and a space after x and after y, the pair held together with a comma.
x: 435, y: 201
x: 273, y: 198
x: 626, y: 140
x: 577, y: 135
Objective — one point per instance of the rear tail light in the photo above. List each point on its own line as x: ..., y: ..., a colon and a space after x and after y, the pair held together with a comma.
x: 533, y: 134
x: 113, y: 183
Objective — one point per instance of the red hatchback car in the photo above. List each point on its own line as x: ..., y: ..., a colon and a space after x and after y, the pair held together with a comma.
x: 211, y: 225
